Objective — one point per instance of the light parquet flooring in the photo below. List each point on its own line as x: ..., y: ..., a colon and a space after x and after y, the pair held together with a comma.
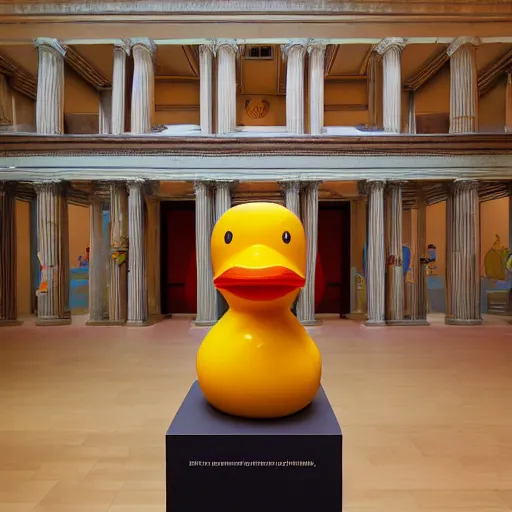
x: 426, y: 414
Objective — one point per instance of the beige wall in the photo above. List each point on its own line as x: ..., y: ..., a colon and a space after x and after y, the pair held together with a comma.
x: 79, y: 232
x: 436, y: 234
x: 169, y: 96
x: 434, y: 97
x: 79, y: 97
x: 494, y: 220
x: 491, y: 110
x: 354, y: 96
x: 25, y: 110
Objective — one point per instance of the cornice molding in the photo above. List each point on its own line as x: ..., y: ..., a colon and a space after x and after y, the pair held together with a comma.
x: 86, y: 70
x: 20, y: 80
x: 460, y: 42
x: 433, y: 66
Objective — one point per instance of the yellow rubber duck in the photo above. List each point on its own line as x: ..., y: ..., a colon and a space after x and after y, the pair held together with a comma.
x: 258, y: 361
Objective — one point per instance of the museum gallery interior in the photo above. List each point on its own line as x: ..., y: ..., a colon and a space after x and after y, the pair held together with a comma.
x: 128, y: 129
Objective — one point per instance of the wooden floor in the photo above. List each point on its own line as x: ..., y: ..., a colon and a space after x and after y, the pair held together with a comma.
x: 426, y: 414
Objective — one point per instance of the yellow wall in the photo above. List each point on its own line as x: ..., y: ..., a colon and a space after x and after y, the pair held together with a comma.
x: 493, y: 221
x: 276, y: 115
x: 491, y: 111
x: 23, y: 257
x: 436, y: 234
x: 171, y: 95
x: 434, y: 96
x: 79, y: 97
x: 346, y: 94
x: 25, y: 110
x: 79, y: 231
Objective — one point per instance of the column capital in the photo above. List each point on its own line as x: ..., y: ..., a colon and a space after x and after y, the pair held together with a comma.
x: 207, y: 48
x: 135, y: 183
x: 201, y: 185
x: 229, y: 184
x: 391, y: 42
x: 123, y: 45
x: 292, y: 186
x: 51, y: 45
x: 462, y: 41
x: 48, y: 186
x: 299, y: 45
x: 396, y: 184
x: 373, y: 185
x: 229, y: 44
x: 461, y: 184
x: 144, y: 42
x: 317, y: 45
x: 310, y: 184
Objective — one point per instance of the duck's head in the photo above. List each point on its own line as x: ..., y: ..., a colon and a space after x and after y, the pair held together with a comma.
x: 259, y: 255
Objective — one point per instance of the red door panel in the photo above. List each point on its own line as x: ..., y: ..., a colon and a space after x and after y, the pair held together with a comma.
x: 179, y: 258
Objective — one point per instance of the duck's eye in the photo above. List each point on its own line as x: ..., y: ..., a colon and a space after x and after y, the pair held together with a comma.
x: 287, y: 238
x: 228, y: 237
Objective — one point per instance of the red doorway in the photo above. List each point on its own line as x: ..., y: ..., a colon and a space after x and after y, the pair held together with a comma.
x: 334, y: 256
x: 179, y: 278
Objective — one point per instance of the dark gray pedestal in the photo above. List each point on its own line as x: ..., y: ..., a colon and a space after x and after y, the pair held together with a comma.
x: 222, y: 463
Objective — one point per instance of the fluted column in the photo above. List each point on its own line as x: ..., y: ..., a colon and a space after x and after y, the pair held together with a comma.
x: 105, y: 112
x: 508, y: 104
x: 395, y: 278
x: 465, y: 255
x: 98, y: 261
x: 121, y: 50
x: 222, y: 205
x: 226, y: 86
x: 143, y: 89
x: 50, y: 87
x: 205, y: 84
x: 53, y: 252
x: 309, y: 207
x: 137, y: 283
x: 374, y: 86
x: 292, y: 196
x: 316, y: 52
x: 448, y: 249
x: 152, y: 242
x: 463, y: 85
x: 206, y: 296
x: 8, y: 295
x: 391, y: 51
x: 118, y: 286
x: 375, y: 272
x: 294, y: 54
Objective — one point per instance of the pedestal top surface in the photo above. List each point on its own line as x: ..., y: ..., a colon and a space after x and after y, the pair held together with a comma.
x: 197, y: 417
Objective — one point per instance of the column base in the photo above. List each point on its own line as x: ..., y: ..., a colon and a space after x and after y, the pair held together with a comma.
x: 311, y: 323
x: 98, y: 323
x: 10, y: 323
x: 203, y: 323
x: 375, y: 323
x: 406, y: 322
x: 461, y: 321
x: 138, y: 323
x: 48, y: 322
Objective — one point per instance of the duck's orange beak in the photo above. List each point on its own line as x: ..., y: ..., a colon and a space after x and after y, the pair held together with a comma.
x: 266, y: 283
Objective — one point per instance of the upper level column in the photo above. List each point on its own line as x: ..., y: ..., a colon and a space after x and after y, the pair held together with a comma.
x: 226, y: 86
x: 143, y: 90
x: 316, y: 50
x: 294, y: 53
x: 391, y: 50
x: 50, y: 87
x: 463, y: 85
x: 205, y: 78
x: 121, y: 50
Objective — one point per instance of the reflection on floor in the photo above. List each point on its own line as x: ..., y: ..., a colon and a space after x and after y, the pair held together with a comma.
x: 426, y: 414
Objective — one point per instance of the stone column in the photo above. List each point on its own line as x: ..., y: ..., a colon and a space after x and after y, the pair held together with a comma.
x: 118, y: 287
x: 374, y: 85
x: 376, y: 260
x: 391, y: 50
x: 419, y: 315
x: 121, y: 50
x: 222, y: 205
x: 137, y: 282
x: 448, y: 250
x: 316, y: 52
x: 97, y: 274
x: 395, y: 278
x: 205, y: 83
x: 463, y: 85
x: 292, y: 196
x: 143, y: 90
x: 152, y: 242
x: 465, y: 255
x: 226, y: 86
x: 8, y: 295
x: 309, y: 207
x: 105, y: 112
x: 206, y: 296
x: 294, y: 53
x: 50, y: 87
x: 53, y: 253
x: 508, y: 104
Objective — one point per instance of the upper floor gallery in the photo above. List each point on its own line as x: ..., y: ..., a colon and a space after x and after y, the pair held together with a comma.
x: 232, y: 69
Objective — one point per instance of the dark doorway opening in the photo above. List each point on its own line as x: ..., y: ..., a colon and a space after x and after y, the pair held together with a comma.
x: 334, y: 257
x: 178, y: 245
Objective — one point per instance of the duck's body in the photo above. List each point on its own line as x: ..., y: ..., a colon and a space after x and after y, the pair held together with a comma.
x: 260, y: 366
x: 258, y: 361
